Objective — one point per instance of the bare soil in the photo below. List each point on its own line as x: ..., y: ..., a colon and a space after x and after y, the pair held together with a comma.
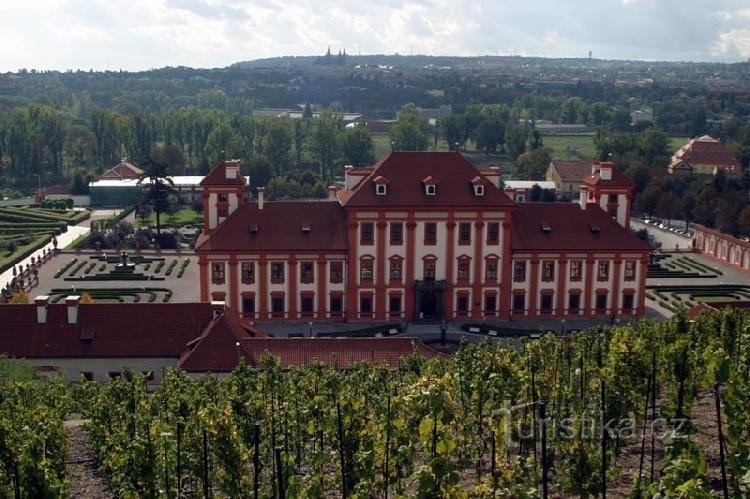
x: 85, y: 478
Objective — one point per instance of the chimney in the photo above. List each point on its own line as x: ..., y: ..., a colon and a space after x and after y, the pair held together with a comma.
x: 594, y: 167
x: 605, y: 171
x: 231, y: 168
x: 41, y: 308
x: 332, y: 193
x: 217, y: 308
x: 71, y: 302
x: 261, y: 194
x: 348, y: 180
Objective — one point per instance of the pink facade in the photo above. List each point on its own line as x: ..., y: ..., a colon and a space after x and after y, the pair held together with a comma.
x: 723, y: 247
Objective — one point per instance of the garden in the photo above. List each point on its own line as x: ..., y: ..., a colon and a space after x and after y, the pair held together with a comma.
x: 676, y: 297
x: 122, y: 267
x: 666, y: 266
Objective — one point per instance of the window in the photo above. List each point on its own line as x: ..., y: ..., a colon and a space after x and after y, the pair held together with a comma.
x: 337, y: 272
x: 462, y: 305
x: 601, y: 303
x: 627, y: 302
x: 519, y: 302
x: 576, y: 270
x: 397, y: 233
x: 381, y: 189
x: 463, y: 269
x: 490, y: 272
x: 148, y: 375
x: 365, y: 306
x: 277, y: 272
x: 430, y: 233
x: 490, y: 304
x: 248, y: 272
x: 336, y: 305
x: 248, y: 306
x: 630, y: 270
x: 464, y: 233
x: 365, y: 269
x: 546, y: 303
x: 574, y: 302
x: 612, y: 198
x: 479, y: 190
x: 493, y: 233
x: 519, y: 271
x: 603, y: 272
x: 429, y: 270
x: 222, y: 212
x: 394, y: 305
x: 114, y: 374
x: 366, y: 233
x: 548, y: 271
x: 277, y: 306
x: 430, y: 190
x: 223, y: 197
x: 307, y: 305
x: 395, y: 271
x: 87, y: 375
x: 217, y: 273
x: 307, y: 272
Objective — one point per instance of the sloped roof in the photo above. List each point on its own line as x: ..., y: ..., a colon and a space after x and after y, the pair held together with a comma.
x: 279, y: 228
x: 407, y: 170
x: 114, y: 330
x: 571, y: 229
x: 218, y: 176
x: 122, y: 170
x: 618, y: 181
x: 705, y: 150
x: 572, y: 171
x: 343, y: 353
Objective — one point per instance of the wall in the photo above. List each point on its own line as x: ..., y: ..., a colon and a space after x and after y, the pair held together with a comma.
x: 722, y: 247
x: 71, y: 368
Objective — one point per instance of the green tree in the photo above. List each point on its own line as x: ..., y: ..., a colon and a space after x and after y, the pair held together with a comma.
x: 157, y: 187
x: 223, y: 143
x: 410, y: 132
x: 489, y: 135
x: 453, y: 129
x: 277, y: 144
x: 260, y: 171
x: 357, y: 146
x: 532, y: 165
x: 515, y: 140
x: 324, y: 142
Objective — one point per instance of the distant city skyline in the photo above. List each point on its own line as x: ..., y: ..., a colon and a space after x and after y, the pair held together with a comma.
x: 144, y: 34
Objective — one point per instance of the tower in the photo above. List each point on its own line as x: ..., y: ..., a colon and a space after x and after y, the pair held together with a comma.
x: 609, y: 188
x: 223, y: 193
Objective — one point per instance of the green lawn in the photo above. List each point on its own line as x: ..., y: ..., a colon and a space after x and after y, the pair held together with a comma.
x: 186, y: 216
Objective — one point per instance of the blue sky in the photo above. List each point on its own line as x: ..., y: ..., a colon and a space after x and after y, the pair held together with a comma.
x: 143, y: 34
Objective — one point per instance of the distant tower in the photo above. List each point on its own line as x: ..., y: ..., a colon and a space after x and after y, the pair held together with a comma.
x: 589, y: 54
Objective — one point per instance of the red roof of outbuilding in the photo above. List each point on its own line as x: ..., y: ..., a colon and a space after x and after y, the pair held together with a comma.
x: 122, y: 170
x: 706, y: 150
x: 113, y: 330
x: 218, y: 176
x: 618, y: 181
x: 278, y: 227
x: 342, y: 353
x: 407, y: 172
x: 572, y: 171
x: 571, y: 229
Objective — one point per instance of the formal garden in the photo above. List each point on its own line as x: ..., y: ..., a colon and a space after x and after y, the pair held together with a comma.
x: 25, y: 229
x: 679, y: 266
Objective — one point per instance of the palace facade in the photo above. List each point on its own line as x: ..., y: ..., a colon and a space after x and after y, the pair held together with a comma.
x: 420, y: 236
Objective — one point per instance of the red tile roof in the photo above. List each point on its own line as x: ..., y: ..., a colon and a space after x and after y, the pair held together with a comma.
x: 217, y: 176
x: 571, y: 229
x: 714, y: 307
x: 572, y: 171
x: 618, y: 181
x: 407, y: 171
x: 279, y: 228
x: 122, y: 170
x: 116, y: 330
x: 705, y: 151
x: 343, y: 353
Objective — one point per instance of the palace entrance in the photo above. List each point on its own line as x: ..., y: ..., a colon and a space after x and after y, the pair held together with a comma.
x: 429, y: 300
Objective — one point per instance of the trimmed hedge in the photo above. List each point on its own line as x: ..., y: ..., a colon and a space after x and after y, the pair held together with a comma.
x: 503, y: 332
x: 369, y: 332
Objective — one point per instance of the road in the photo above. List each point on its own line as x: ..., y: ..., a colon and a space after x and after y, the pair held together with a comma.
x: 669, y: 240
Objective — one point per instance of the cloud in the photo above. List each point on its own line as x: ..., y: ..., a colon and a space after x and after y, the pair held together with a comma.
x: 140, y: 34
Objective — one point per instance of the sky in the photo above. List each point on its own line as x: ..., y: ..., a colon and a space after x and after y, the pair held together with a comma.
x: 144, y: 34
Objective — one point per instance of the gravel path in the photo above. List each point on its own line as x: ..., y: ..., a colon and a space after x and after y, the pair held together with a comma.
x: 85, y: 478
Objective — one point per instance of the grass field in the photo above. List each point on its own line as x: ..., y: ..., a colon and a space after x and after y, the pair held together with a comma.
x: 186, y: 216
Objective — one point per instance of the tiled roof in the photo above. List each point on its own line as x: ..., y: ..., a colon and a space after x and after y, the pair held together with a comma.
x: 278, y: 227
x: 705, y: 151
x: 619, y: 180
x: 122, y: 170
x: 571, y: 229
x: 114, y: 330
x: 572, y: 171
x: 217, y: 176
x: 337, y: 352
x: 407, y: 170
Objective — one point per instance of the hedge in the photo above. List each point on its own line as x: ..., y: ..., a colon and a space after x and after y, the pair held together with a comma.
x: 383, y: 329
x: 18, y: 256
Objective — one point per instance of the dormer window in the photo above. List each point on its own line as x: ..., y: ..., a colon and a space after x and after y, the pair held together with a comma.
x: 479, y: 190
x: 381, y: 189
x: 430, y: 190
x: 430, y: 185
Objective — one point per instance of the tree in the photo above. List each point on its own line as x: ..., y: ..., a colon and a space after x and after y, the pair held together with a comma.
x: 533, y: 165
x: 357, y: 146
x: 668, y: 206
x: 648, y: 199
x: 453, y: 129
x: 222, y: 143
x: 410, y: 132
x: 16, y: 370
x: 324, y: 142
x: 277, y: 144
x: 515, y: 140
x: 260, y: 171
x: 170, y: 155
x: 157, y: 186
x: 535, y: 193
x: 489, y: 135
x: 744, y: 221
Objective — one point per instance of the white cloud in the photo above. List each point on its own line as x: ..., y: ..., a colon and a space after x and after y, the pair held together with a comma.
x: 138, y: 34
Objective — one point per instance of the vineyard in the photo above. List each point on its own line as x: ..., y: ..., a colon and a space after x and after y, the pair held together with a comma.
x: 603, y: 412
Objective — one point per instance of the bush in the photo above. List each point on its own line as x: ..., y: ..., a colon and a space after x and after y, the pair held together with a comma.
x: 167, y: 240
